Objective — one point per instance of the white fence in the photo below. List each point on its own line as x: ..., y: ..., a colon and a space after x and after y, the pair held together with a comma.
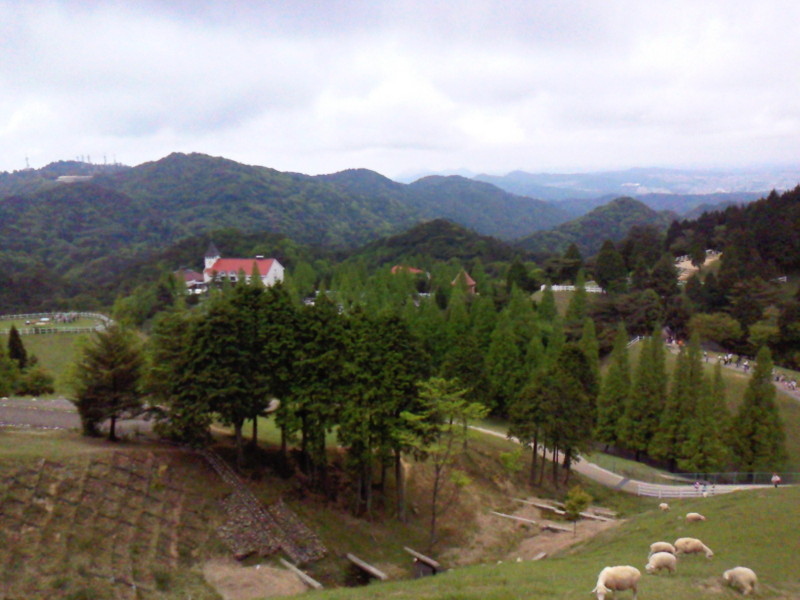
x: 592, y: 289
x: 51, y: 327
x: 688, y: 491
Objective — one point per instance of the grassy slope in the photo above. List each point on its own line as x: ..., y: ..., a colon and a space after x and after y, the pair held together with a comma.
x: 760, y: 540
x: 55, y: 353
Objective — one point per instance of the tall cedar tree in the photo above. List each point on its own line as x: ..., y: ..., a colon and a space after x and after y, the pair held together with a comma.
x: 576, y: 310
x: 16, y: 349
x: 609, y: 271
x: 170, y: 378
x: 504, y: 365
x: 705, y: 450
x: 578, y: 403
x: 384, y: 364
x: 758, y: 434
x: 106, y: 380
x: 526, y: 419
x: 675, y: 422
x: 227, y: 360
x: 646, y: 401
x: 614, y: 391
x: 318, y: 383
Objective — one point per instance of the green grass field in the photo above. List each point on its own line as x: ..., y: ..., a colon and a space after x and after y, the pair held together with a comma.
x: 760, y: 540
x: 55, y: 353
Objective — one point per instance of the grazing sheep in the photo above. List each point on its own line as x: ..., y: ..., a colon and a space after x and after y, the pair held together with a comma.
x: 664, y: 506
x: 742, y: 578
x: 661, y: 560
x: 617, y: 579
x: 661, y: 547
x: 691, y: 546
x: 694, y: 517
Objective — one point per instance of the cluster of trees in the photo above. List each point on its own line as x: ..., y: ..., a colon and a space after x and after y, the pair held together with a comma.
x: 745, y: 305
x: 20, y: 372
x: 686, y: 423
x: 247, y: 350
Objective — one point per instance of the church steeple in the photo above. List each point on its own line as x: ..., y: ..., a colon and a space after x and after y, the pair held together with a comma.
x: 212, y: 255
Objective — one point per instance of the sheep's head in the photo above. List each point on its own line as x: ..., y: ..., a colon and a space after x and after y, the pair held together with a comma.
x: 649, y: 568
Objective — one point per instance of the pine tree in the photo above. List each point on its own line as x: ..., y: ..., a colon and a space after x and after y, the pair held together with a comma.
x: 704, y: 450
x: 758, y: 434
x: 576, y: 310
x: 646, y: 401
x: 504, y: 365
x: 614, y: 391
x: 106, y: 380
x: 9, y: 374
x: 610, y: 272
x: 16, y: 349
x: 591, y: 348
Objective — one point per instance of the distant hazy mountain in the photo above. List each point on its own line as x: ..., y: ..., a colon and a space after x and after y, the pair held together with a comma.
x: 610, y: 221
x: 642, y: 181
x: 482, y: 207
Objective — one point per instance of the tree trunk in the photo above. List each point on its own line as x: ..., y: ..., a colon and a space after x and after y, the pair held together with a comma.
x: 112, y: 430
x: 254, y: 441
x: 400, y: 484
x: 284, y: 442
x: 434, y: 501
x: 237, y: 427
x: 555, y: 466
x: 534, y: 458
x: 567, y: 465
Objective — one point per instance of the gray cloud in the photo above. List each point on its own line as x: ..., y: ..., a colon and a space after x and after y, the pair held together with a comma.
x: 402, y: 86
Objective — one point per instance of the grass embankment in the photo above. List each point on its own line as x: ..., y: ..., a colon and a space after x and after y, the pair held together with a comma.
x: 745, y: 528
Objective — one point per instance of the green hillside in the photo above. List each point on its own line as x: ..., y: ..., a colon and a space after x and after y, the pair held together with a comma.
x: 760, y: 540
x: 610, y: 221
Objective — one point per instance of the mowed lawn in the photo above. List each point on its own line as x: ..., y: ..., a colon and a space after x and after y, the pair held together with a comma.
x: 55, y: 353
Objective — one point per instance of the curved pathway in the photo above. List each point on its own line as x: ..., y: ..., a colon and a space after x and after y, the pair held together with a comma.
x: 633, y: 486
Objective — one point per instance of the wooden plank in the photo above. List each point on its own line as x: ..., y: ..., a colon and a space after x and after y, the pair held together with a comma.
x: 499, y: 514
x: 543, y: 506
x: 421, y: 557
x: 540, y: 556
x: 304, y: 577
x: 556, y: 528
x: 377, y: 573
x: 587, y: 515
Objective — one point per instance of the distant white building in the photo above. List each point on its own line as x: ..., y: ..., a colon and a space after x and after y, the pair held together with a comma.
x: 216, y: 267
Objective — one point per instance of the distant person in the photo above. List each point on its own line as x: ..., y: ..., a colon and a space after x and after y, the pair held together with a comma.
x: 776, y: 479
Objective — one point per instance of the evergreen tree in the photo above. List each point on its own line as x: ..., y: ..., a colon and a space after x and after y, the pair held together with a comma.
x: 614, y: 391
x: 572, y: 263
x: 646, y: 401
x: 106, y: 380
x: 527, y: 418
x: 16, y: 349
x: 705, y: 449
x: 9, y: 374
x: 504, y: 365
x: 577, y: 308
x: 547, y: 311
x: 610, y: 272
x: 758, y: 434
x: 591, y: 348
x: 664, y: 277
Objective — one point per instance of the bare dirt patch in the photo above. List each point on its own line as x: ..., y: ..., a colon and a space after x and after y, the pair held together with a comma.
x: 232, y: 581
x: 498, y: 538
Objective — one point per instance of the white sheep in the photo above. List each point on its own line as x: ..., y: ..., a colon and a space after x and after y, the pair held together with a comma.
x: 664, y: 506
x: 691, y: 546
x: 617, y: 579
x: 661, y: 560
x: 742, y: 578
x: 694, y: 517
x: 661, y: 547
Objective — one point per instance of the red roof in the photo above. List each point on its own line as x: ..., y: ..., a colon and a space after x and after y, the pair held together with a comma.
x: 412, y: 270
x: 189, y: 276
x: 228, y: 265
x: 469, y: 280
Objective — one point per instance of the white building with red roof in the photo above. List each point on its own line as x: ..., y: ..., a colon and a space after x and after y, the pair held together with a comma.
x: 216, y: 267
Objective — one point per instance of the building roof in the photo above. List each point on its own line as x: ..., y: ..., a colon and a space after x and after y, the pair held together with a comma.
x: 212, y: 251
x: 412, y: 270
x: 469, y: 280
x: 227, y: 265
x: 189, y: 276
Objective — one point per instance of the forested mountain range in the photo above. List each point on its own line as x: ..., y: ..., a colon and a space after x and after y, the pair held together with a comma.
x: 612, y: 221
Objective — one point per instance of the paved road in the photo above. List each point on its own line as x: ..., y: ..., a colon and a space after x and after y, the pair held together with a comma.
x: 54, y: 413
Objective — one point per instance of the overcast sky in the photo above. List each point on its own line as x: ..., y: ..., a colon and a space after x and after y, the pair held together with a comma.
x: 403, y: 87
